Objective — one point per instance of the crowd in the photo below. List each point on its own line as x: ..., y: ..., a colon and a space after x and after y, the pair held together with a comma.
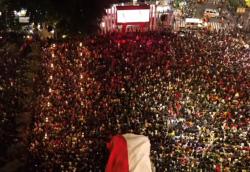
x: 11, y: 64
x: 188, y: 92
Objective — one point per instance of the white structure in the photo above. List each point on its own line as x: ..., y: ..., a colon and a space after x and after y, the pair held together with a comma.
x: 119, y: 16
x: 193, y: 20
x: 149, y: 18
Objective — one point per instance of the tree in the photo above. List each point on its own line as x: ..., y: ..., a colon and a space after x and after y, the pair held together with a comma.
x: 234, y: 3
x: 69, y: 17
x: 7, y: 15
x: 247, y: 3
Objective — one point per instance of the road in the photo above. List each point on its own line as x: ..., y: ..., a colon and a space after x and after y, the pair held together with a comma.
x: 226, y: 20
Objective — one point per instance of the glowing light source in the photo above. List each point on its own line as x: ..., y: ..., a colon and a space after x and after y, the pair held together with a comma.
x: 103, y: 24
x: 133, y: 16
x: 163, y: 8
x: 22, y: 12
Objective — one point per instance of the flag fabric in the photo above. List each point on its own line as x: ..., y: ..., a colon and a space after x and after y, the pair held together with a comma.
x: 129, y: 153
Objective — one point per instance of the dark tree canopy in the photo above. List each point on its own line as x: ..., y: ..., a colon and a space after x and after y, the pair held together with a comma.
x: 69, y: 16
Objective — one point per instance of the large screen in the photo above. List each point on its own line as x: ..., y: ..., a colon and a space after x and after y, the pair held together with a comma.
x: 132, y: 15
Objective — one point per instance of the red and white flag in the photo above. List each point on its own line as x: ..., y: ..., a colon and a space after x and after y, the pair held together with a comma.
x: 129, y: 153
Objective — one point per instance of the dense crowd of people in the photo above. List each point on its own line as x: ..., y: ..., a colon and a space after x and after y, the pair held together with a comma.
x: 188, y: 92
x: 11, y: 68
